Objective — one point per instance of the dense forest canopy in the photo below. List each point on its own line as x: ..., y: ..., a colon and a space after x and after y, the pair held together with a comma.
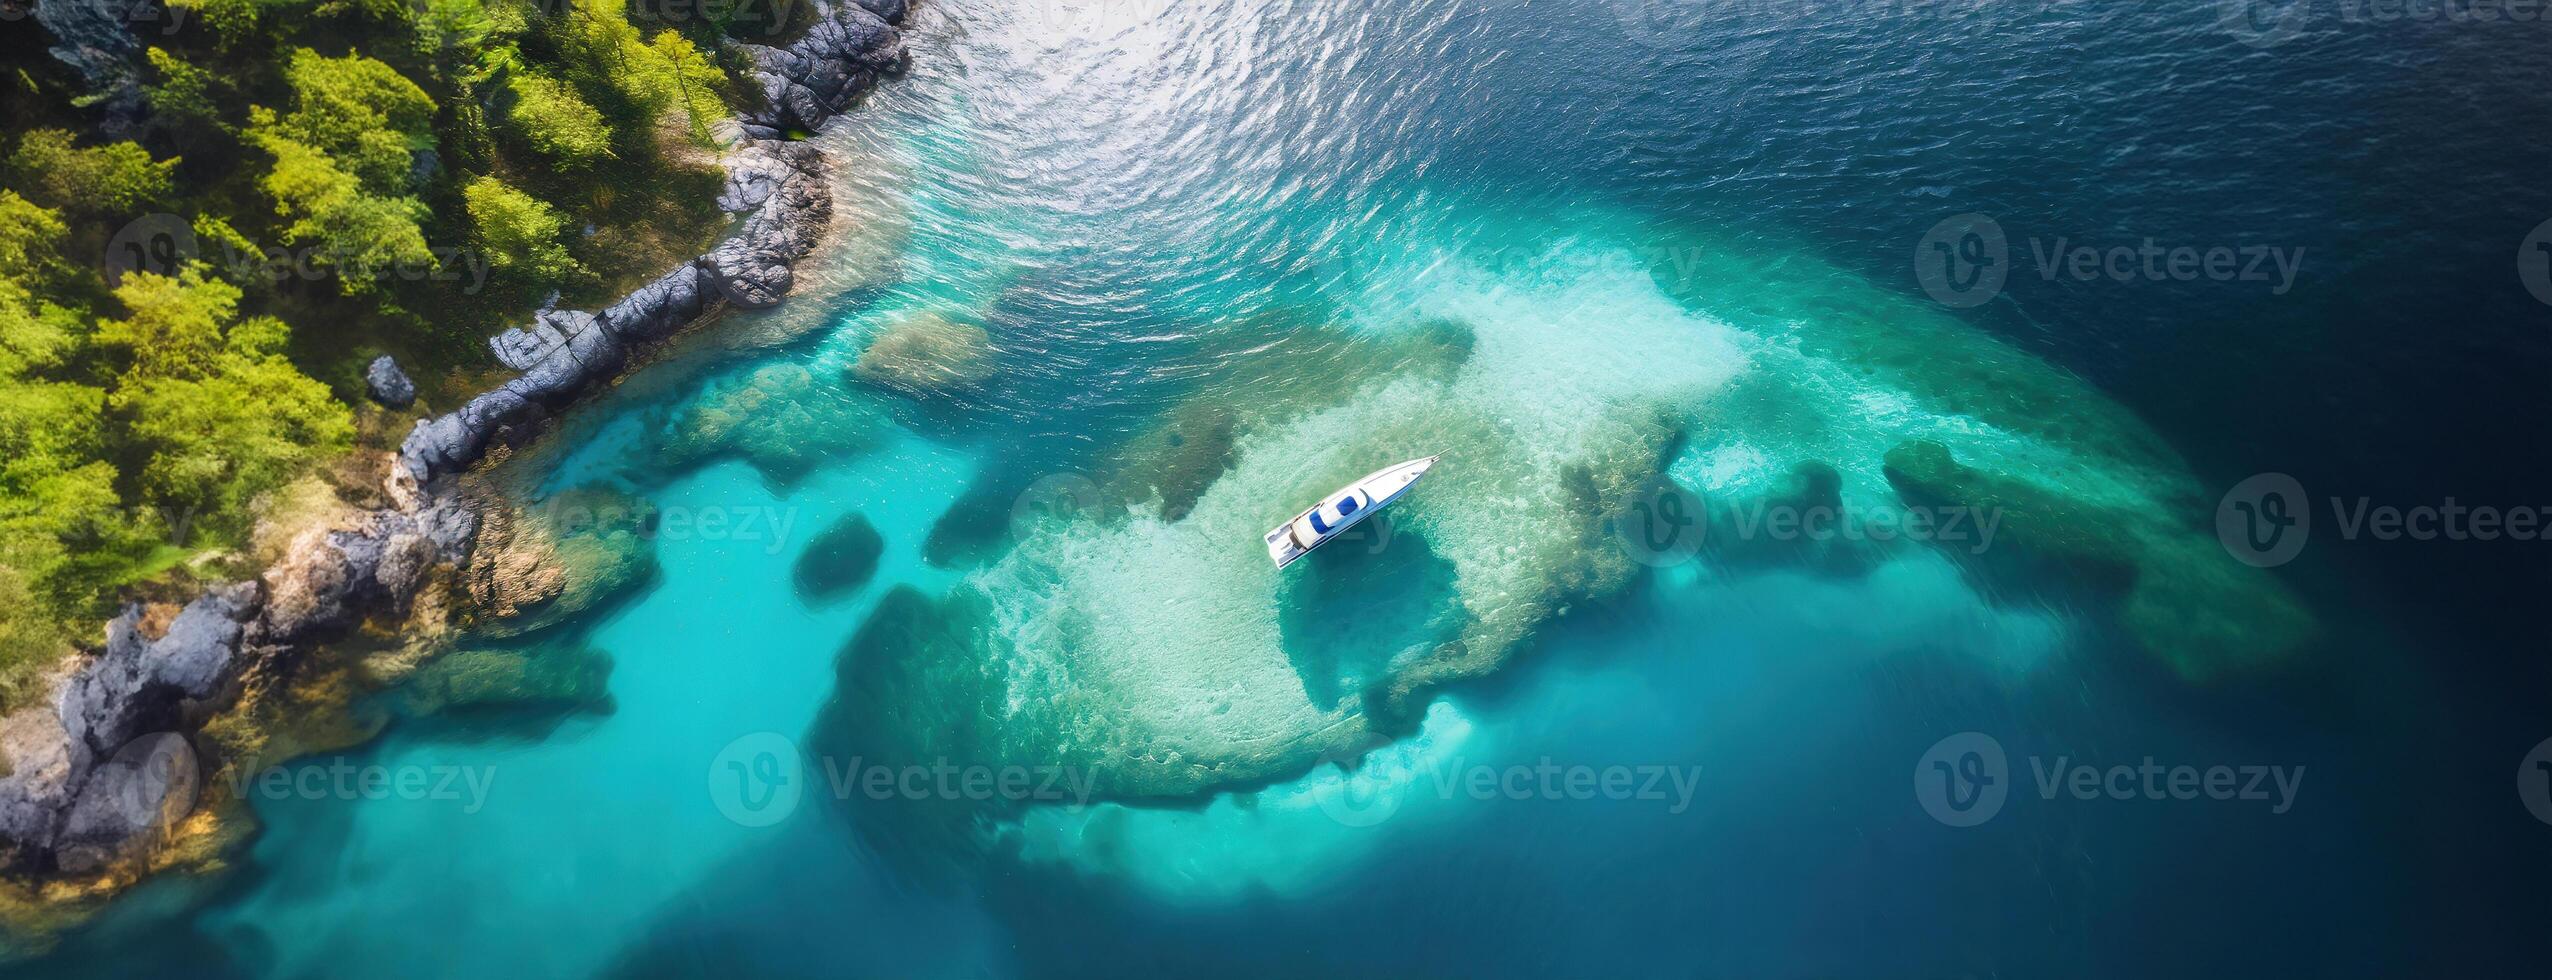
x: 186, y: 306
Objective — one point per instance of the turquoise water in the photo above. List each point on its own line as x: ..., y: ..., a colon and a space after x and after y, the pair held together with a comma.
x: 1224, y: 256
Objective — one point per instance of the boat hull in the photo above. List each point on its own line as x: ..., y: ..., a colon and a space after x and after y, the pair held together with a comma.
x: 1343, y: 509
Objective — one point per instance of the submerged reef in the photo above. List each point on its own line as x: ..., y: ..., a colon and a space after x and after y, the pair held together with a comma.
x: 1155, y: 647
x: 1148, y: 641
x: 781, y: 419
x: 545, y: 677
x: 926, y: 353
x: 547, y: 564
x: 838, y: 561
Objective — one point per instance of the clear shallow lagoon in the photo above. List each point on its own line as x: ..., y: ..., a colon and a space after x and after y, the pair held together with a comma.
x: 1672, y: 237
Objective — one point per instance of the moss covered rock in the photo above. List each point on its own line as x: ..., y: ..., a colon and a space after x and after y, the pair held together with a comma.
x: 537, y: 566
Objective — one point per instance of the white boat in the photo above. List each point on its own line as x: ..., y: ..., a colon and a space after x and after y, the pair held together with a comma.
x: 1326, y: 519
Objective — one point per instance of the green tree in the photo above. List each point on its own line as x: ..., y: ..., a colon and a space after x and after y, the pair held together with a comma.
x: 519, y: 232
x: 113, y: 178
x: 212, y: 410
x: 64, y: 536
x: 666, y: 74
x: 553, y: 119
x: 356, y: 231
x: 185, y: 92
x: 365, y: 116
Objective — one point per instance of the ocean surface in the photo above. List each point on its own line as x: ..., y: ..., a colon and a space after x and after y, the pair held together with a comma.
x: 1224, y: 254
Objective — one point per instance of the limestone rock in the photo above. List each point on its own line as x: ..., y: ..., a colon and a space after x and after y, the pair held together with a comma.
x: 137, y: 686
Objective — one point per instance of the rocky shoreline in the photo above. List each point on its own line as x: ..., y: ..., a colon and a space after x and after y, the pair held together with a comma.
x: 101, y: 775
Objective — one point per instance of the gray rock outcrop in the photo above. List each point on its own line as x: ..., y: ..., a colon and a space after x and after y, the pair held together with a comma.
x: 387, y: 384
x: 93, y: 37
x: 775, y: 185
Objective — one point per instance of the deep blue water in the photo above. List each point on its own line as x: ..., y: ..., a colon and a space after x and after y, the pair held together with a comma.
x: 1622, y: 198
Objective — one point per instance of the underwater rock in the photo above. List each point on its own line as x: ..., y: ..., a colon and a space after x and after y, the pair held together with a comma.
x: 978, y: 522
x: 839, y: 560
x: 543, y: 677
x: 1177, y: 460
x: 387, y: 384
x: 540, y: 566
x: 925, y: 354
x: 778, y: 418
x: 2186, y: 600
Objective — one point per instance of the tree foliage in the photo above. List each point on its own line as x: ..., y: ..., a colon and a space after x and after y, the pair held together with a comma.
x: 212, y: 408
x: 141, y: 422
x: 112, y: 178
x: 519, y: 232
x: 362, y: 114
x: 553, y: 119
